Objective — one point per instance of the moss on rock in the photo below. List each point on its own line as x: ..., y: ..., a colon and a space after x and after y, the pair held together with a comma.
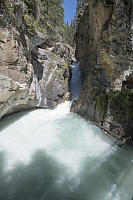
x: 101, y: 104
x: 121, y: 104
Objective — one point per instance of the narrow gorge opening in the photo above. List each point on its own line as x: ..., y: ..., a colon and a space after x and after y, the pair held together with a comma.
x: 52, y: 153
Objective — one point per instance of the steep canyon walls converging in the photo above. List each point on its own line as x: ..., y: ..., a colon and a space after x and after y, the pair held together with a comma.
x: 54, y: 154
x: 34, y: 66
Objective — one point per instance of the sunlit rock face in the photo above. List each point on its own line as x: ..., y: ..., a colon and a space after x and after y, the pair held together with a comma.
x: 34, y: 70
x: 104, y: 42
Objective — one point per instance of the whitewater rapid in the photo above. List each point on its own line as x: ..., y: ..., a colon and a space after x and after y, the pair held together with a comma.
x: 43, y: 130
x: 57, y: 155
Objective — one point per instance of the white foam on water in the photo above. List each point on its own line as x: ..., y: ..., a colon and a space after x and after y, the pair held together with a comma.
x: 68, y: 139
x: 29, y: 133
x: 41, y: 129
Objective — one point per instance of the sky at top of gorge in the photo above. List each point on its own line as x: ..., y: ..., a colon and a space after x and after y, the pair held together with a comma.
x: 70, y: 9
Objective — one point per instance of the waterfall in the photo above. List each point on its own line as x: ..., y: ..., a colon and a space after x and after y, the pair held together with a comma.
x: 57, y: 155
x: 76, y: 82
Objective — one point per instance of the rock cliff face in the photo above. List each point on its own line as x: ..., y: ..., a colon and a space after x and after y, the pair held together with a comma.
x: 34, y: 70
x: 105, y: 48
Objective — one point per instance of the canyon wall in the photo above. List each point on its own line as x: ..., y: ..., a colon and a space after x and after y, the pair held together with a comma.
x: 104, y: 48
x: 34, y: 67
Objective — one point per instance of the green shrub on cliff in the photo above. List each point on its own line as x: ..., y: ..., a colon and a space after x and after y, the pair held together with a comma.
x: 45, y: 16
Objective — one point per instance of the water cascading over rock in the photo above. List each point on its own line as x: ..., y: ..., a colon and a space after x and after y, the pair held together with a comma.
x: 48, y: 154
